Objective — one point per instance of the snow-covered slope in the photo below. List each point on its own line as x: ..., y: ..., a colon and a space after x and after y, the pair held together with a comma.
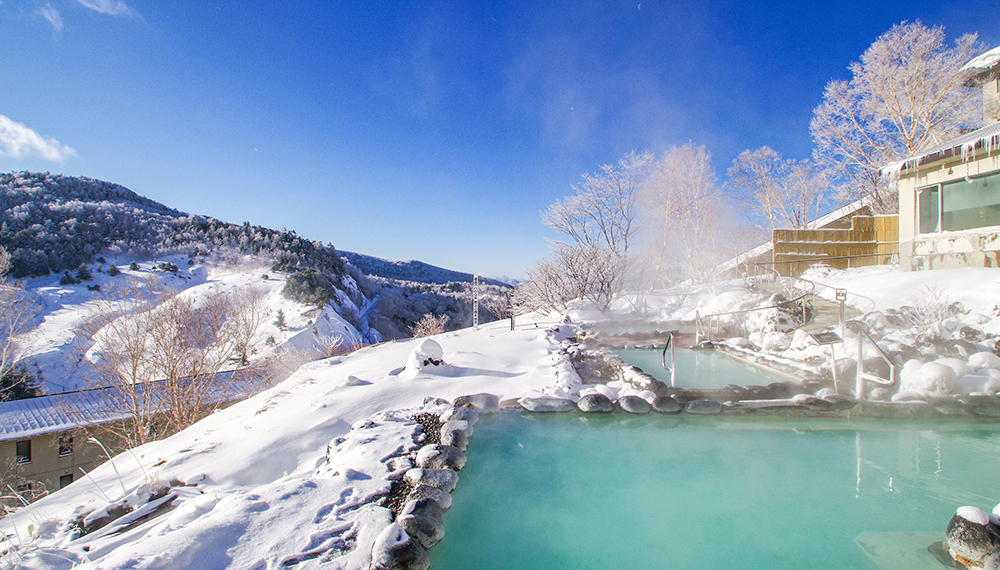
x: 55, y: 350
x: 260, y: 491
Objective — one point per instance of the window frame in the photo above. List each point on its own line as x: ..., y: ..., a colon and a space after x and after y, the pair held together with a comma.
x: 64, y: 445
x: 941, y: 204
x: 22, y: 458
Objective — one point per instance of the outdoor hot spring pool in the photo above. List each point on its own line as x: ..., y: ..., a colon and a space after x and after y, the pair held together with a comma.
x: 701, y: 369
x: 608, y: 492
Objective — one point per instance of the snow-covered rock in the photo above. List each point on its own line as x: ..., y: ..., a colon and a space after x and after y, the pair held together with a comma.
x: 444, y: 479
x: 483, y: 403
x: 439, y: 456
x: 466, y: 414
x: 984, y: 360
x: 421, y: 519
x: 395, y: 550
x: 547, y: 404
x: 969, y: 536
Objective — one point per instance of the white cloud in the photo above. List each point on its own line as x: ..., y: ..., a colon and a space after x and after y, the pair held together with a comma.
x: 18, y: 141
x: 109, y: 7
x: 52, y: 16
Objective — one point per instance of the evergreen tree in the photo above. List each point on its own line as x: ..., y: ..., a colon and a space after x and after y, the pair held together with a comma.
x: 83, y: 273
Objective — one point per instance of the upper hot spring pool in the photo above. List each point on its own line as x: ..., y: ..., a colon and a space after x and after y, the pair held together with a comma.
x: 701, y: 369
x: 612, y: 492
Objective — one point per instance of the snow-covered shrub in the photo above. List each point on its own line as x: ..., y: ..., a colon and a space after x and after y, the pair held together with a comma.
x: 429, y: 325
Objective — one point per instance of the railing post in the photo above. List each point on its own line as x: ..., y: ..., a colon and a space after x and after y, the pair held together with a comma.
x: 859, y: 388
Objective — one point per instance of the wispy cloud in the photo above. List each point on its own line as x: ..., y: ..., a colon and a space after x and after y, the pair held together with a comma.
x: 52, y: 16
x: 109, y: 7
x: 18, y: 141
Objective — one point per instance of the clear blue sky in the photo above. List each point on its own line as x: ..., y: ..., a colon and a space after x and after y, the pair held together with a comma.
x: 435, y: 131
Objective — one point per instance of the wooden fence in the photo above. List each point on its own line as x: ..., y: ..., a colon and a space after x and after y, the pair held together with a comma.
x: 872, y: 240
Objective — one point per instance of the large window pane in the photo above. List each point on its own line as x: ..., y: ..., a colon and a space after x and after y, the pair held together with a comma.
x: 927, y: 199
x: 973, y: 204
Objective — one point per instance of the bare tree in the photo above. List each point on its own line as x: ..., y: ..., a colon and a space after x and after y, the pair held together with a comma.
x: 786, y: 193
x: 684, y: 215
x: 602, y: 213
x: 905, y: 95
x: 499, y: 305
x: 548, y: 288
x: 601, y: 220
x: 167, y: 358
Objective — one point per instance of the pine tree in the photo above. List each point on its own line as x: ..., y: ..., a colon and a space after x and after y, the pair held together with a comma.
x: 83, y: 273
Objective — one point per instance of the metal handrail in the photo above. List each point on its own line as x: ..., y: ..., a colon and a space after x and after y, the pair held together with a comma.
x: 699, y: 327
x: 861, y: 376
x: 814, y: 283
x: 671, y: 368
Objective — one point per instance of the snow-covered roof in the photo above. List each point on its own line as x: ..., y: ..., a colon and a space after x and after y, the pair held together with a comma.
x: 840, y: 212
x: 984, y: 61
x: 987, y: 138
x: 31, y: 417
x: 60, y: 412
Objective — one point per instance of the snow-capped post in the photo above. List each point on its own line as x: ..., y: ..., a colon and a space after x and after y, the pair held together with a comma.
x: 475, y: 301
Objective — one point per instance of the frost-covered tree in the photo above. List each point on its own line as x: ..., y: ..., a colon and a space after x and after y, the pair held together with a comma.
x: 906, y: 94
x: 164, y: 356
x: 601, y: 222
x: 777, y: 192
x: 684, y: 216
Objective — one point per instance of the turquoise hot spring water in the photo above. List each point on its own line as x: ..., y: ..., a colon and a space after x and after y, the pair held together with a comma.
x: 701, y: 369
x: 575, y: 491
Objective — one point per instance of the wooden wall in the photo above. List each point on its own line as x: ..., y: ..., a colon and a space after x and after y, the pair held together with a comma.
x: 875, y: 238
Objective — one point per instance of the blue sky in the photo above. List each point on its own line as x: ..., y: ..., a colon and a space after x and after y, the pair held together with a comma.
x: 435, y: 131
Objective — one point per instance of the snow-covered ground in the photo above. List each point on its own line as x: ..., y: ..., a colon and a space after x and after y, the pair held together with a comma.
x: 282, y: 479
x: 264, y: 489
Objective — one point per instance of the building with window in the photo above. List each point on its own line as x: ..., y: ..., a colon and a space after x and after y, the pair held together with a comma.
x: 949, y: 195
x: 43, y: 441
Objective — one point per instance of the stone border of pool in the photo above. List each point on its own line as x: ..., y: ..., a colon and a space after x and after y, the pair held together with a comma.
x: 812, y: 396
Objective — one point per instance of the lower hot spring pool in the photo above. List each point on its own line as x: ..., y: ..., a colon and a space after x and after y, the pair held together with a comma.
x: 701, y: 369
x: 610, y: 492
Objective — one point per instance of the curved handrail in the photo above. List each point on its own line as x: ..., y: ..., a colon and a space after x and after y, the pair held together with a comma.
x: 859, y: 389
x: 671, y: 368
x: 815, y: 283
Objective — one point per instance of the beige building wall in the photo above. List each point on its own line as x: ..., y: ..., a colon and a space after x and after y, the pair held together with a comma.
x: 48, y: 465
x: 978, y: 247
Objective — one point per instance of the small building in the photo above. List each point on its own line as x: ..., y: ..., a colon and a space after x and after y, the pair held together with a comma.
x: 949, y: 195
x: 43, y: 441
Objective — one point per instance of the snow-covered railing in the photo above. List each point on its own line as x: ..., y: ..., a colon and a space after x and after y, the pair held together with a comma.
x: 703, y: 332
x: 816, y: 283
x: 862, y: 375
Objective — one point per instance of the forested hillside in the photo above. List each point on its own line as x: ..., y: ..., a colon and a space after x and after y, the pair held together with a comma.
x: 53, y: 224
